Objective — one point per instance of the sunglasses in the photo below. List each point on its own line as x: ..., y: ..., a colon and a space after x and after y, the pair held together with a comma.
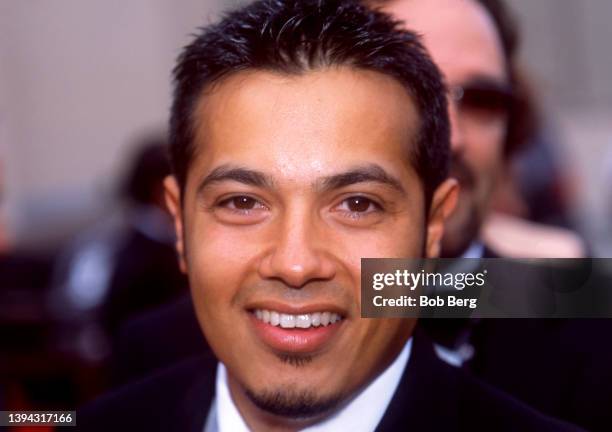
x: 483, y: 97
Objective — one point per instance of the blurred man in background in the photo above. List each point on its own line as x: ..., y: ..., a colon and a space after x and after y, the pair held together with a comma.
x: 126, y: 264
x: 145, y: 271
x: 492, y: 118
x: 59, y: 315
x: 475, y: 45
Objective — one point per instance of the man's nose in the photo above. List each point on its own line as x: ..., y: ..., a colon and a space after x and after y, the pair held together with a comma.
x: 457, y: 135
x: 299, y: 253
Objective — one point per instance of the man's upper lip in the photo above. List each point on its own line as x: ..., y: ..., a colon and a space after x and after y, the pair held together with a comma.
x: 296, y: 309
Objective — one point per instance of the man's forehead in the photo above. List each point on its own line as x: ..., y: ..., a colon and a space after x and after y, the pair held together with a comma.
x: 460, y: 35
x: 306, y: 118
x: 309, y: 94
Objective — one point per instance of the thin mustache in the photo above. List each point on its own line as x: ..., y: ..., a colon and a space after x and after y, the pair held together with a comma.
x: 310, y: 292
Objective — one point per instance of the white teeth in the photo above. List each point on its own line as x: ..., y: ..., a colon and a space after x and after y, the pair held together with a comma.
x: 315, y: 319
x: 303, y: 321
x: 287, y: 321
x: 325, y: 318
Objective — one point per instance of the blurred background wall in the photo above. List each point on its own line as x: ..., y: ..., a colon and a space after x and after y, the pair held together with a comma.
x: 566, y: 51
x: 81, y: 81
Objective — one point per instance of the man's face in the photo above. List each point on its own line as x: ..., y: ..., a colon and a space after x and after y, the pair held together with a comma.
x: 463, y: 41
x: 294, y: 180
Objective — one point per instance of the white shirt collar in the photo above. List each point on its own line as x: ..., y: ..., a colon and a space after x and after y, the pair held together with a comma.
x: 363, y: 413
x: 476, y: 250
x: 456, y: 357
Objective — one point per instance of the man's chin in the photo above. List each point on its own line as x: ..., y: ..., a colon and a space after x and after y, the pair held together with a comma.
x: 294, y: 404
x: 293, y: 386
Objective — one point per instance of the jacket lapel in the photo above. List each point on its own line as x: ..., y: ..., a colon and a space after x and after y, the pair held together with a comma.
x: 193, y: 410
x: 426, y: 398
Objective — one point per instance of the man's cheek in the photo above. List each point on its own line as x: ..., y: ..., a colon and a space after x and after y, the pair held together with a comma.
x: 392, y: 241
x: 213, y: 244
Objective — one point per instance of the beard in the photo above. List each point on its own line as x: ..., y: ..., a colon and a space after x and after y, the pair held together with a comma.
x: 462, y: 229
x: 464, y: 224
x: 296, y: 405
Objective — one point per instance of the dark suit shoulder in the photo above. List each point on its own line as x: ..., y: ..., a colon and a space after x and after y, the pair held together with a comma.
x: 434, y: 396
x: 138, y: 352
x: 177, y: 398
x: 483, y: 407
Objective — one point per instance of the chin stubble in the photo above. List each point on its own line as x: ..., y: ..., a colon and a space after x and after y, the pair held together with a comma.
x: 290, y: 403
x: 295, y: 360
x: 295, y: 405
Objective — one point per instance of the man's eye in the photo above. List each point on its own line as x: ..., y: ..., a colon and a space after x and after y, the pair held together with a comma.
x: 359, y: 204
x: 241, y: 203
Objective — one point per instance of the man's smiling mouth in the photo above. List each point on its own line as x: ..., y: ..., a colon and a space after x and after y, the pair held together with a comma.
x: 292, y: 329
x: 302, y: 321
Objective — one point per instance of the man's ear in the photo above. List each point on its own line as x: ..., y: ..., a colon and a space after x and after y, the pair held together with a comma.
x: 442, y: 205
x: 172, y: 193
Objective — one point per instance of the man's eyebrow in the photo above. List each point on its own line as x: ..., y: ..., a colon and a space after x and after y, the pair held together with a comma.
x: 237, y: 174
x: 367, y: 173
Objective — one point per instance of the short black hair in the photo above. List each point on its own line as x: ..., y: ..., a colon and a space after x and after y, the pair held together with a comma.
x: 297, y: 36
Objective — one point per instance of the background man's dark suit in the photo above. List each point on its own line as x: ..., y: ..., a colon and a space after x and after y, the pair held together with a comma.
x: 431, y: 396
x: 558, y: 366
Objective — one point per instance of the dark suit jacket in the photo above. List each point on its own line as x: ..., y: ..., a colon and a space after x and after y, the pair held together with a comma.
x: 431, y: 396
x: 560, y: 367
x: 156, y: 339
x: 145, y: 275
